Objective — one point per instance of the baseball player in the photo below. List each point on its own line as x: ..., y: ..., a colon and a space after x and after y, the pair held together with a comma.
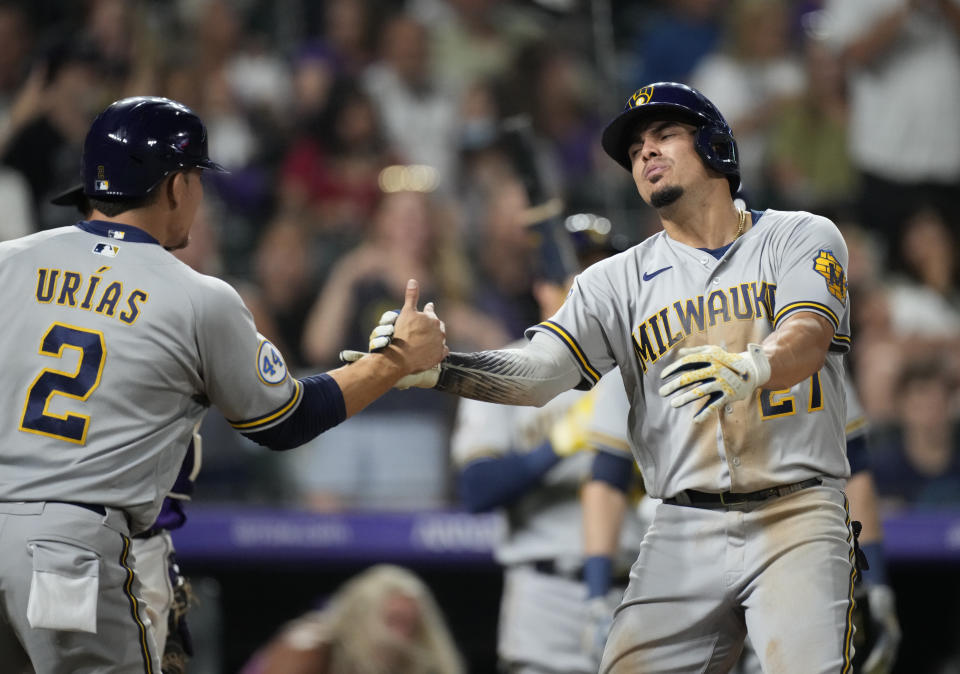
x: 166, y: 592
x: 530, y: 462
x: 728, y: 328
x: 115, y: 350
x: 878, y: 630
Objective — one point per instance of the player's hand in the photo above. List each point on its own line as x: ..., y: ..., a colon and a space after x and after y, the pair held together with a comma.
x: 569, y: 433
x: 884, y: 630
x: 717, y: 376
x: 419, y: 337
x: 593, y: 639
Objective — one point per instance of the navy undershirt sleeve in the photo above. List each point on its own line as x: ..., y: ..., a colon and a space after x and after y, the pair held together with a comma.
x: 857, y: 454
x: 877, y: 563
x: 597, y: 571
x: 322, y: 407
x: 492, y: 482
x: 614, y: 469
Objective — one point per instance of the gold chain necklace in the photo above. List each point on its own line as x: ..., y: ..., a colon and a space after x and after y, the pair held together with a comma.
x: 743, y: 220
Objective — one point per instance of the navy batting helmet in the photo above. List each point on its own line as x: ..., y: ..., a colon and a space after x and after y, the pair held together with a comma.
x: 136, y: 142
x: 714, y: 140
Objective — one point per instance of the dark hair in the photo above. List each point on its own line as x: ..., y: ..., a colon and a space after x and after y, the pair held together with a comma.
x: 925, y: 370
x: 115, y: 207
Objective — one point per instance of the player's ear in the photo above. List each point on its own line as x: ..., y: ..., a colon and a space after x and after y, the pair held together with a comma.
x: 175, y: 188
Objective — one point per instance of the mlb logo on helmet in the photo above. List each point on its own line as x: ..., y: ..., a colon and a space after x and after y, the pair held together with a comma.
x: 106, y: 249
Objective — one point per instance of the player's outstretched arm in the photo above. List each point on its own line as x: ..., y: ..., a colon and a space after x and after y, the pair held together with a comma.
x: 533, y: 375
x: 418, y: 344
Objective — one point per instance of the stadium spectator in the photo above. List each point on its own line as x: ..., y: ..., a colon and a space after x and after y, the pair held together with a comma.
x: 420, y: 121
x: 383, y: 621
x: 809, y: 165
x: 330, y: 174
x: 916, y: 461
x: 473, y: 40
x: 504, y: 257
x: 674, y: 38
x: 903, y: 68
x: 551, y: 87
x: 16, y: 40
x: 283, y: 269
x: 45, y: 147
x: 750, y: 79
x: 396, y: 458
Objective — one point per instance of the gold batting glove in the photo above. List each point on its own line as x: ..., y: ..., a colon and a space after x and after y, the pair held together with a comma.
x: 715, y: 376
x: 569, y: 433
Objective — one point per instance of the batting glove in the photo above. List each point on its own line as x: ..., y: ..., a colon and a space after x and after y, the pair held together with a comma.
x: 883, y: 616
x: 422, y: 379
x: 382, y: 335
x: 569, y: 433
x: 718, y: 376
x: 380, y: 338
x: 593, y: 639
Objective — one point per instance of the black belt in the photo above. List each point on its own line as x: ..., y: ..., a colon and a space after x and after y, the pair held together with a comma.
x: 99, y: 509
x: 551, y: 568
x: 149, y: 533
x: 704, y: 499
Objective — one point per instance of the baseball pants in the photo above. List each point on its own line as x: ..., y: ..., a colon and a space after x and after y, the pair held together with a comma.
x: 781, y: 570
x: 69, y: 599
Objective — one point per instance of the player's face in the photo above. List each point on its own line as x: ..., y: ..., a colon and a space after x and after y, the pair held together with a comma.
x: 664, y: 161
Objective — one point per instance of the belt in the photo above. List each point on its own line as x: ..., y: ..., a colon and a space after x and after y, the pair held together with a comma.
x: 551, y: 568
x: 99, y: 509
x: 704, y: 499
x: 149, y: 533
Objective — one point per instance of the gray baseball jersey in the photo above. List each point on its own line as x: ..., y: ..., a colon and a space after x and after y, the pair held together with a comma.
x: 114, y: 351
x: 638, y: 308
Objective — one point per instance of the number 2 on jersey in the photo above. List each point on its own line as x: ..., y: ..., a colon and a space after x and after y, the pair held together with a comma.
x: 52, y: 382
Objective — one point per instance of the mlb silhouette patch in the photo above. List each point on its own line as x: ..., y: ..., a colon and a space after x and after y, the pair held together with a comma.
x: 102, y: 185
x: 830, y: 269
x: 106, y: 249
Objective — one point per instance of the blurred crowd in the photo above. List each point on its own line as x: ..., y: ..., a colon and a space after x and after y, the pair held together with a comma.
x: 370, y: 141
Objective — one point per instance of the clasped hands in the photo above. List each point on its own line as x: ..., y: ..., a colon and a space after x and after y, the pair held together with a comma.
x: 418, y: 336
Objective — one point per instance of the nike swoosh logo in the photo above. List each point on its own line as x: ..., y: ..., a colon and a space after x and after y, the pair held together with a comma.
x: 648, y: 276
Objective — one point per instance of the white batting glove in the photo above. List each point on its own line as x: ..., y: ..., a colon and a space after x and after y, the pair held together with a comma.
x: 382, y: 335
x: 593, y: 638
x: 380, y: 338
x: 718, y: 376
x: 422, y: 379
x: 883, y: 615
